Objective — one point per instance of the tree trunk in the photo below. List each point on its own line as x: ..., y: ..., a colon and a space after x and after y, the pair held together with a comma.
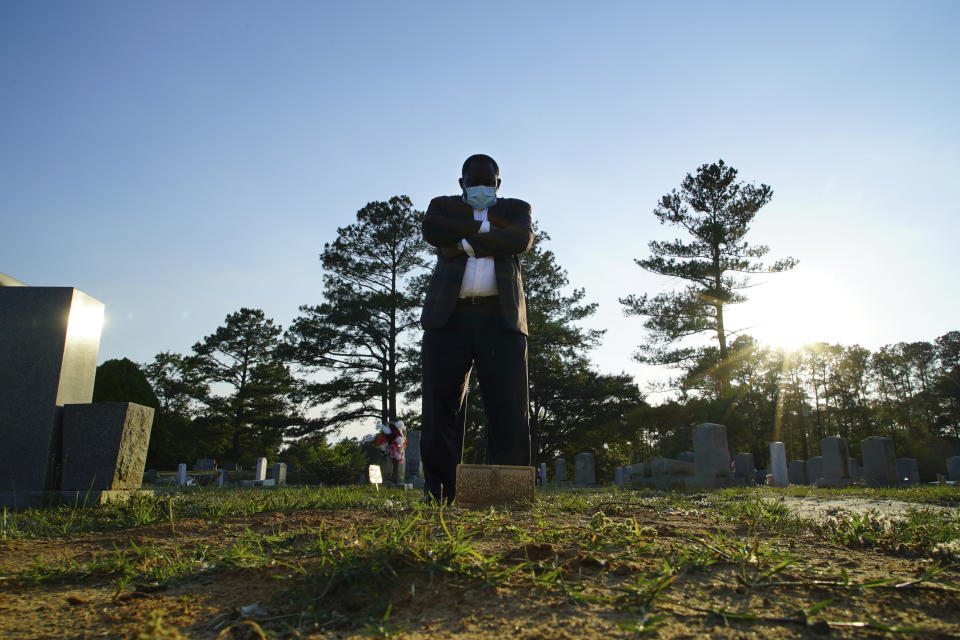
x: 722, y: 366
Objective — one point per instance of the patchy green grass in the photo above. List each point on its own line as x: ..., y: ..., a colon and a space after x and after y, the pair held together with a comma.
x: 938, y: 494
x: 357, y: 561
x: 205, y: 503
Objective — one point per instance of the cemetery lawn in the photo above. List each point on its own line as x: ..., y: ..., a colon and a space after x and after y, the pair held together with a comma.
x: 350, y: 562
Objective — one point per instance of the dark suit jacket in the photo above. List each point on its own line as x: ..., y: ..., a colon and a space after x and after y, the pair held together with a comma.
x: 448, y: 220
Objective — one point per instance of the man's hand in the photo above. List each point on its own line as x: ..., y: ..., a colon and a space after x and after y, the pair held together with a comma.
x: 452, y: 250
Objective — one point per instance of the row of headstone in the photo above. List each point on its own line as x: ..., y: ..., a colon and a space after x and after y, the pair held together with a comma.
x: 278, y: 475
x: 835, y: 467
x: 709, y: 466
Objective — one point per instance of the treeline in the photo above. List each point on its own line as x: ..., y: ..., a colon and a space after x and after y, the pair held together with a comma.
x: 909, y: 392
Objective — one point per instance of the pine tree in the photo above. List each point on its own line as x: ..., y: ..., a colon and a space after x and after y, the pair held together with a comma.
x: 242, y: 358
x: 354, y: 339
x: 715, y: 211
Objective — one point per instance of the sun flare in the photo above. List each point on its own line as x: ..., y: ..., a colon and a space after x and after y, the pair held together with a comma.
x: 792, y: 309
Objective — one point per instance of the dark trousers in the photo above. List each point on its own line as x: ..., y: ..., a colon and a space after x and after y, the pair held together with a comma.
x: 475, y: 334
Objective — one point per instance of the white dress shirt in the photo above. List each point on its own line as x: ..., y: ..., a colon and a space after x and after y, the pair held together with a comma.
x: 479, y: 278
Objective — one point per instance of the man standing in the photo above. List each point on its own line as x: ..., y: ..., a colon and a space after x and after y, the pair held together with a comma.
x: 475, y: 314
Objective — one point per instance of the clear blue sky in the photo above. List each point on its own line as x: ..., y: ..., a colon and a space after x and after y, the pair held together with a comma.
x: 179, y: 160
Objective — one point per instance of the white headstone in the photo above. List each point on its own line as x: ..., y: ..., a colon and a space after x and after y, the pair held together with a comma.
x: 182, y: 474
x: 261, y: 472
x: 222, y: 478
x: 778, y: 464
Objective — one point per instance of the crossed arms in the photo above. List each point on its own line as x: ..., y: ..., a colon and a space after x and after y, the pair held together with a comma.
x: 510, y: 233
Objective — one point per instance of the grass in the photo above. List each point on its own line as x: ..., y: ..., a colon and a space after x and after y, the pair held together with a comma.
x: 585, y: 549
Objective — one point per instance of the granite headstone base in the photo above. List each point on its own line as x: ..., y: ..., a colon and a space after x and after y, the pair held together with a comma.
x: 481, y: 485
x: 105, y: 445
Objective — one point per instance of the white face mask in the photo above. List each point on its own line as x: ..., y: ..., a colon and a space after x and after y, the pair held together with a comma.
x: 480, y: 197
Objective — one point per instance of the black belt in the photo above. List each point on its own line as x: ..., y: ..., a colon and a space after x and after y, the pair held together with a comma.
x: 486, y: 300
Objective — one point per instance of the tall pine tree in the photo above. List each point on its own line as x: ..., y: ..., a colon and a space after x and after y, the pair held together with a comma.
x: 715, y: 212
x: 353, y: 340
x: 251, y: 384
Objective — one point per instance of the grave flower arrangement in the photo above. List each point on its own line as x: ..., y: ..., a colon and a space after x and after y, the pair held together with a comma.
x: 390, y: 439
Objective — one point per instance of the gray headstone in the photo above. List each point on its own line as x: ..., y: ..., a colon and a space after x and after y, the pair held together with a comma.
x: 671, y: 467
x: 814, y: 469
x: 953, y: 468
x: 280, y: 473
x: 836, y: 459
x: 797, y: 472
x: 105, y: 445
x: 686, y: 456
x: 778, y: 464
x: 261, y: 471
x: 543, y: 472
x: 222, y: 478
x: 856, y: 473
x: 204, y: 464
x: 182, y: 474
x: 560, y: 470
x: 710, y: 451
x: 618, y: 476
x: 908, y: 472
x: 412, y: 457
x: 49, y: 338
x: 879, y: 462
x: 584, y: 469
x: 640, y: 470
x: 151, y: 476
x: 627, y: 474
x: 744, y: 467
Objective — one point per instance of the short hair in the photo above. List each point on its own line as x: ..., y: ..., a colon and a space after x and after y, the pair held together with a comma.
x: 479, y: 156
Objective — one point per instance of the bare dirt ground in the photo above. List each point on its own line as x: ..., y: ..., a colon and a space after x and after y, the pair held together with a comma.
x: 820, y: 508
x: 626, y: 571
